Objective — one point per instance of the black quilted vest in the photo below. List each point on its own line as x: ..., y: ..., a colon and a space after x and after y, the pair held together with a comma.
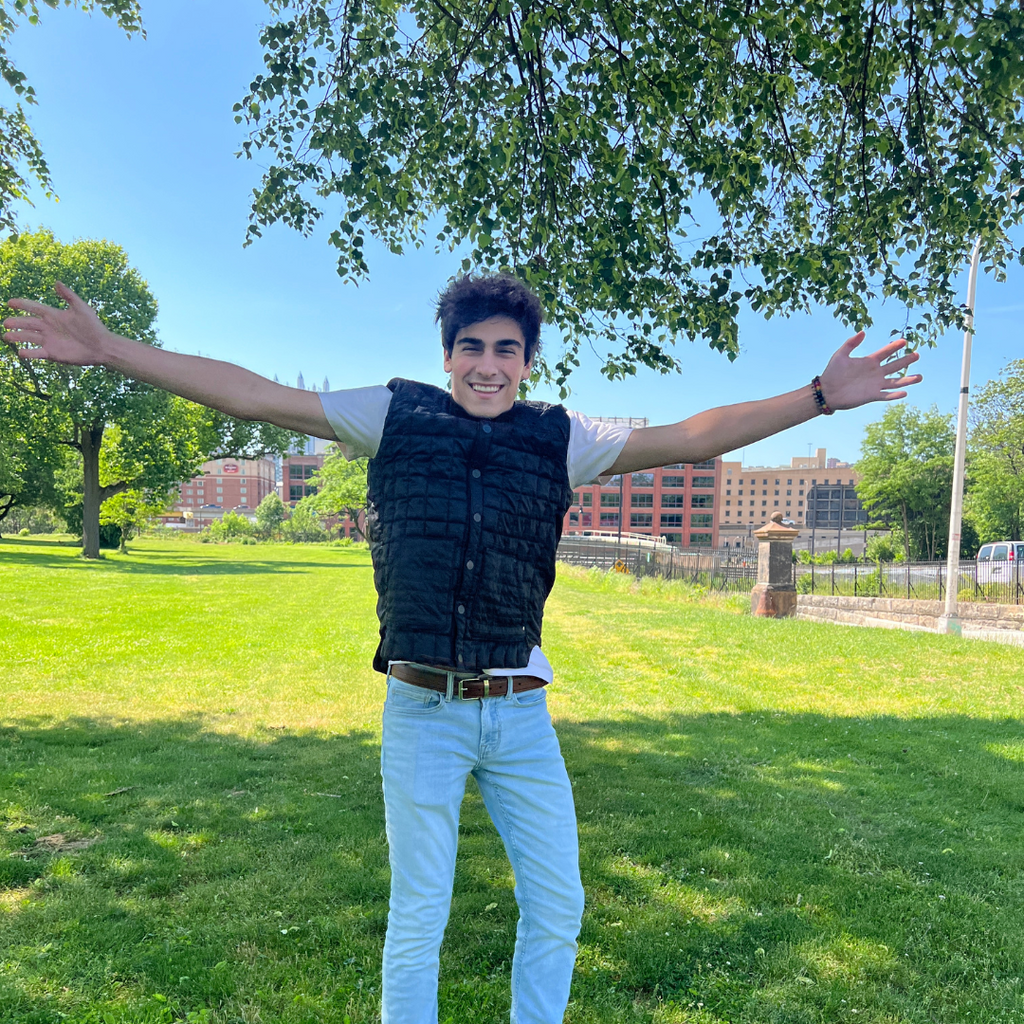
x: 464, y: 517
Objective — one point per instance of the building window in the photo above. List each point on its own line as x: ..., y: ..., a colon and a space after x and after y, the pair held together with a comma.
x: 643, y: 479
x: 673, y: 481
x: 673, y: 520
x: 728, y: 502
x: 703, y: 481
x: 588, y: 519
x: 609, y: 519
x: 700, y: 540
x: 709, y: 464
x: 702, y: 501
x: 575, y: 497
x: 641, y: 519
x: 294, y: 471
x: 588, y: 498
x: 295, y: 492
x: 702, y: 519
x: 676, y: 500
x: 609, y: 501
x: 641, y: 500
x: 672, y: 538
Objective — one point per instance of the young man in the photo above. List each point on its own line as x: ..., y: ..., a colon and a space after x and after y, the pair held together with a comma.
x: 467, y: 492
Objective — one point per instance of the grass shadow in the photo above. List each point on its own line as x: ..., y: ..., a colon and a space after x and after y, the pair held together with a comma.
x: 744, y: 868
x: 169, y: 563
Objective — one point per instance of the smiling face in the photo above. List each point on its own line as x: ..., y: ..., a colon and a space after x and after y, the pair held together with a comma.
x: 487, y: 363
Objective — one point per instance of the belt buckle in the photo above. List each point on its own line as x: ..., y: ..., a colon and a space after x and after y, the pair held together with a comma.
x: 486, y: 680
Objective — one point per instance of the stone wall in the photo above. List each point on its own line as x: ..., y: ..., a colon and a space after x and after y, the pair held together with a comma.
x: 898, y: 613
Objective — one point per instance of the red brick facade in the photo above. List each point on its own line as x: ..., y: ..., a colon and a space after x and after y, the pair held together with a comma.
x: 674, y: 502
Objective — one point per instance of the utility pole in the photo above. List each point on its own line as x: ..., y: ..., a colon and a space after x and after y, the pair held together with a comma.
x: 949, y: 621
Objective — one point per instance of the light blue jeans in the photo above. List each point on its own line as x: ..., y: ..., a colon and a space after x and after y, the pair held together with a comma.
x: 430, y: 745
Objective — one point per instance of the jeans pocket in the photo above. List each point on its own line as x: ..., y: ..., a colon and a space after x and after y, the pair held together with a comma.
x: 530, y: 698
x: 406, y: 699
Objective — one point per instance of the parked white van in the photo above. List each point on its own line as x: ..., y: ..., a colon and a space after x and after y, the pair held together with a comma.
x: 1000, y: 561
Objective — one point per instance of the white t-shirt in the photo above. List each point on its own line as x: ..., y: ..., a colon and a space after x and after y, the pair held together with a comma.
x: 357, y: 416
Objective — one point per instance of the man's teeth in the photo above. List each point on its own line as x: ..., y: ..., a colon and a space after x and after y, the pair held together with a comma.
x: 487, y: 389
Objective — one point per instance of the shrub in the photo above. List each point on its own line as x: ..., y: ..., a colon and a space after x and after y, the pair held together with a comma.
x: 231, y: 526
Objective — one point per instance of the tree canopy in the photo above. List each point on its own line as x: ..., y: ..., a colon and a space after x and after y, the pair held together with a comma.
x: 906, y: 469
x: 651, y: 167
x: 995, y: 501
x: 129, y: 435
x: 341, y: 487
x: 21, y: 155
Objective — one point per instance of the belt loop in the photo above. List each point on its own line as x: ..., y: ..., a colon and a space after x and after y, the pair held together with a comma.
x: 511, y: 683
x: 451, y: 686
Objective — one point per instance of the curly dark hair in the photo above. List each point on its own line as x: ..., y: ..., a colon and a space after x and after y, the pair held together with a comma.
x: 473, y: 298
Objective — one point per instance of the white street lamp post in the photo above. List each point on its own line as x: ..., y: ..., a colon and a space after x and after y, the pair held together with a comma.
x: 949, y: 621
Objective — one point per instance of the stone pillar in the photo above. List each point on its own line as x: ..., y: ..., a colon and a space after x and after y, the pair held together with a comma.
x: 774, y: 596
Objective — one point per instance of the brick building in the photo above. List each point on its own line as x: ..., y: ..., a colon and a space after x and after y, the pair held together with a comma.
x: 676, y: 503
x: 816, y: 493
x: 222, y: 485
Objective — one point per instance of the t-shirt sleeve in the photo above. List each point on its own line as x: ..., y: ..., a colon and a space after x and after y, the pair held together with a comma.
x: 593, y: 447
x: 356, y: 416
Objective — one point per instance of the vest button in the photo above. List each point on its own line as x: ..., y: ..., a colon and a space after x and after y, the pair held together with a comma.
x: 461, y: 609
x: 469, y: 564
x: 487, y: 428
x: 476, y: 474
x: 476, y: 517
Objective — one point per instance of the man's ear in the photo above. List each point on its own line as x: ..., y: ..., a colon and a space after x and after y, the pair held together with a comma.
x: 527, y: 370
x: 447, y: 359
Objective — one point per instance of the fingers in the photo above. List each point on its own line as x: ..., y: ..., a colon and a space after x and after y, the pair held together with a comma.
x: 851, y: 343
x: 71, y: 297
x: 29, y: 306
x: 899, y: 382
x: 887, y: 350
x: 895, y: 365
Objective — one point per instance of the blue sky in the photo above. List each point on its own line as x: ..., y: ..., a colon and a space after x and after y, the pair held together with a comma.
x: 140, y: 139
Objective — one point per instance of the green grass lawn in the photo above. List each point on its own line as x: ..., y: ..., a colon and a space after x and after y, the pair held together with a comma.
x: 780, y: 822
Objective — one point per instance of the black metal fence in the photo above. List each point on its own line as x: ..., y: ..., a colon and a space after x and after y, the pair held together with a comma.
x: 725, y: 569
x: 994, y: 582
x: 714, y: 568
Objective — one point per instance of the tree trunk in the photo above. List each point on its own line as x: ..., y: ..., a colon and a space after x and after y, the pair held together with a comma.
x: 91, y: 439
x: 906, y: 533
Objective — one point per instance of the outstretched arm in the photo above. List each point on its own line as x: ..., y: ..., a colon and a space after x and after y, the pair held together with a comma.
x: 846, y: 383
x: 75, y: 335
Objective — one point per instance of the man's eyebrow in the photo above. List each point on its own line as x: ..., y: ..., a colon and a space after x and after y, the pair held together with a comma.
x: 507, y: 342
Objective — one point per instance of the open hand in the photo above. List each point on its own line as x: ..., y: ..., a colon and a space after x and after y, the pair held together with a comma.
x: 72, y: 335
x: 848, y: 382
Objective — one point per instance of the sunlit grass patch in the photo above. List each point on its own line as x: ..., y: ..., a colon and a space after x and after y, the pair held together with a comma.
x: 780, y: 823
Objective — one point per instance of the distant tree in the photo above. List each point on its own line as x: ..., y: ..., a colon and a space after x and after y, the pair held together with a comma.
x: 304, y: 525
x: 130, y: 511
x: 271, y: 512
x: 649, y: 167
x: 129, y: 435
x: 906, y: 469
x: 231, y: 526
x: 21, y: 156
x: 995, y: 501
x: 341, y: 487
x: 880, y: 549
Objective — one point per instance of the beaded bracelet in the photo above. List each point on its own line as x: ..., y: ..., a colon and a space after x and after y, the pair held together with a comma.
x: 819, y: 397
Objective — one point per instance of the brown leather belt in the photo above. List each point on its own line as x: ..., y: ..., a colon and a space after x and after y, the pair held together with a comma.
x: 466, y: 686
